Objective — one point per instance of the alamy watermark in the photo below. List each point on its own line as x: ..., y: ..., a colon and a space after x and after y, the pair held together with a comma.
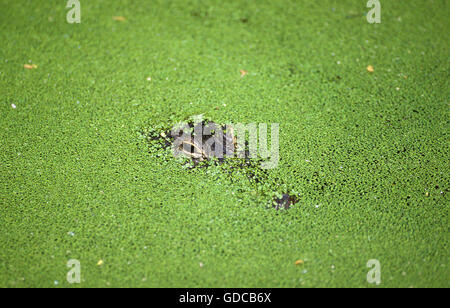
x: 207, y: 140
x: 374, y: 275
x: 74, y: 274
x: 74, y: 14
x: 374, y: 15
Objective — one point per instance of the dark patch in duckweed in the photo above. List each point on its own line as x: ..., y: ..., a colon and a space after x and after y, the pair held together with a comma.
x: 164, y: 140
x: 196, y: 153
x: 161, y: 138
x: 285, y: 202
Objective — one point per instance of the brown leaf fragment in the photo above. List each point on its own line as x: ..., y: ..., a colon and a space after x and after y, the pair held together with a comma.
x: 30, y: 66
